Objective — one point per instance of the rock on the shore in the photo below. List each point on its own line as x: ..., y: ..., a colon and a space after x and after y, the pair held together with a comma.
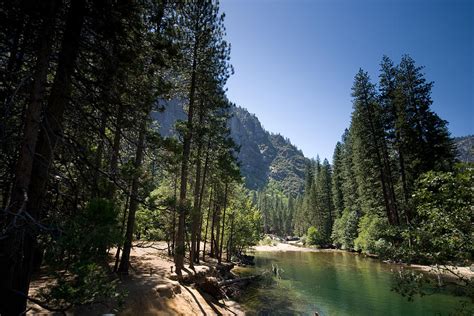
x: 191, y: 275
x: 169, y: 289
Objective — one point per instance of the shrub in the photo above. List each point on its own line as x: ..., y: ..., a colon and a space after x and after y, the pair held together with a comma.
x: 345, y: 229
x: 372, y: 230
x: 267, y: 241
x: 444, y: 208
x: 88, y: 283
x: 314, y: 237
x: 77, y: 257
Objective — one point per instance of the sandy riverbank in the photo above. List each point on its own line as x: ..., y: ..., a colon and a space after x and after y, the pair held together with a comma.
x: 449, y: 271
x: 290, y: 247
x: 149, y: 276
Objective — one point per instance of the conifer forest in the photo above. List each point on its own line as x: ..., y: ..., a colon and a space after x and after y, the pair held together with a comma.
x: 131, y: 182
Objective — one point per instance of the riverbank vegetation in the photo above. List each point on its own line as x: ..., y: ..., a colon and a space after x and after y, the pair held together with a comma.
x: 394, y: 188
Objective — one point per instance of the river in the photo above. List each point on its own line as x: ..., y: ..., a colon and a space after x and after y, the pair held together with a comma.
x: 335, y: 283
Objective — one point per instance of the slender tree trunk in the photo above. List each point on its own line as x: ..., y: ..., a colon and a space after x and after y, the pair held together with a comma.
x: 217, y: 223
x: 392, y: 213
x: 98, y: 157
x: 139, y: 155
x: 391, y: 189
x: 231, y: 238
x: 17, y: 250
x: 33, y: 113
x: 401, y: 160
x: 201, y: 195
x: 223, y: 222
x: 180, y: 246
x: 174, y: 212
x: 213, y: 223
x: 122, y: 228
x: 127, y: 246
x: 195, y: 211
x: 110, y: 194
x: 207, y: 225
x: 199, y: 237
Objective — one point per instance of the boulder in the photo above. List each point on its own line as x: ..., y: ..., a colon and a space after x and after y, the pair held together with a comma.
x: 169, y: 289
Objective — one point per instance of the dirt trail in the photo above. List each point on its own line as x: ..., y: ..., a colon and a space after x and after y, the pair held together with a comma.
x: 152, y: 292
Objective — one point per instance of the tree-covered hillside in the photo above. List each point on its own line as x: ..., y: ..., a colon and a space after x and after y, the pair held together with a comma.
x: 262, y: 156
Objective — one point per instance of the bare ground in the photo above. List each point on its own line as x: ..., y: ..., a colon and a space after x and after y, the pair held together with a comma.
x: 291, y: 247
x: 152, y: 292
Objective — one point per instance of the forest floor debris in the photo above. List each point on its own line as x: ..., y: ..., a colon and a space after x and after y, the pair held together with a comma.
x: 151, y: 290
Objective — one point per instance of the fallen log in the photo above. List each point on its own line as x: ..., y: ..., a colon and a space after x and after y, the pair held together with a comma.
x: 212, y: 286
x: 238, y: 280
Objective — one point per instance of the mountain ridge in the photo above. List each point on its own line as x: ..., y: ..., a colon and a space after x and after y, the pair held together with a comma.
x: 266, y: 156
x: 465, y: 148
x: 263, y: 156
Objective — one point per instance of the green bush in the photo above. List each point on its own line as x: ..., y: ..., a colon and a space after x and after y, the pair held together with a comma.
x: 372, y: 234
x: 148, y: 225
x: 304, y: 240
x: 86, y: 283
x: 313, y: 236
x: 345, y: 229
x: 77, y: 256
x: 267, y: 241
x: 444, y: 215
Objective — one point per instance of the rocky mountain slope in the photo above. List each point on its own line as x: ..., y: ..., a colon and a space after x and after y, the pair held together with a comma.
x: 263, y: 156
x: 465, y: 147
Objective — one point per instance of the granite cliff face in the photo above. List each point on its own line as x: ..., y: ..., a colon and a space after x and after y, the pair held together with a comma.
x: 263, y: 156
x: 465, y: 147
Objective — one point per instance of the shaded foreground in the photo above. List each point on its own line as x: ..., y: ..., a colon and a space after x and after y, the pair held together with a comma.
x: 151, y: 290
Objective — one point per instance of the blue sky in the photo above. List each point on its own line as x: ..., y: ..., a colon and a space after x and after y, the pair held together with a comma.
x: 295, y: 60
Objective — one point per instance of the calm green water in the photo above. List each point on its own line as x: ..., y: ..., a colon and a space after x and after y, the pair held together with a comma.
x: 335, y: 284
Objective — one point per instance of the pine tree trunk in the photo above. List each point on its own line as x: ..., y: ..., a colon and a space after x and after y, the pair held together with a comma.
x: 174, y: 214
x: 391, y: 188
x: 231, y: 238
x: 110, y: 194
x: 195, y: 210
x: 213, y: 224
x: 98, y: 157
x: 122, y: 228
x: 389, y: 204
x: 207, y: 225
x: 201, y: 195
x: 401, y: 160
x: 223, y: 223
x: 134, y: 202
x: 180, y: 246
